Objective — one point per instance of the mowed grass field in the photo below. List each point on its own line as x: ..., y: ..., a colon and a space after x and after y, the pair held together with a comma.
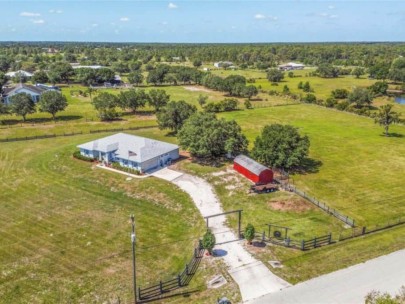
x: 65, y: 233
x: 360, y: 171
x: 80, y: 115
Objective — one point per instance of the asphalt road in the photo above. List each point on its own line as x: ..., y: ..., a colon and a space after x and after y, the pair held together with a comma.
x: 346, y: 286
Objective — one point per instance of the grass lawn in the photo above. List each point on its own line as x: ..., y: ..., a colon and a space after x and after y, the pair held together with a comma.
x: 65, y: 232
x: 360, y: 171
x: 300, y: 266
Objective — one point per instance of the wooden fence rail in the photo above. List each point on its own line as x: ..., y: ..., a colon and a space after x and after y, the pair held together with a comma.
x: 344, y: 218
x: 181, y: 280
x: 12, y: 139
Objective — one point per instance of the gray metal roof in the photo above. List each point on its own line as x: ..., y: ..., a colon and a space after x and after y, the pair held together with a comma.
x: 34, y: 89
x: 130, y: 147
x: 250, y: 164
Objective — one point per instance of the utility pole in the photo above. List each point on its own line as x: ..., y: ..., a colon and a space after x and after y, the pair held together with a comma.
x: 133, y: 240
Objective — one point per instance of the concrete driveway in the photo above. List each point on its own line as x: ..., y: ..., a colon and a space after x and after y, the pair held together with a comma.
x: 346, y: 286
x: 252, y: 276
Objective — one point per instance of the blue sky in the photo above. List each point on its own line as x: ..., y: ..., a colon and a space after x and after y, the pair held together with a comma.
x: 202, y: 21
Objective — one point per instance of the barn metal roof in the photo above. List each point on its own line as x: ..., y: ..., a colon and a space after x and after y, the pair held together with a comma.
x: 250, y: 164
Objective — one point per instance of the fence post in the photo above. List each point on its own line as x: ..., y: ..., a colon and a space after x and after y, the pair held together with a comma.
x: 363, y: 230
x: 139, y: 293
x: 302, y: 245
x: 263, y: 236
x: 161, y: 287
x: 330, y: 238
x: 179, y: 280
x: 287, y: 241
x: 315, y: 242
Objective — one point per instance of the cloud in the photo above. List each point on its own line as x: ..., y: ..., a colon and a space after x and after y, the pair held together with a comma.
x: 38, y: 21
x: 55, y: 11
x: 94, y: 25
x: 260, y: 16
x: 124, y: 19
x: 331, y: 7
x: 29, y: 14
x: 172, y: 5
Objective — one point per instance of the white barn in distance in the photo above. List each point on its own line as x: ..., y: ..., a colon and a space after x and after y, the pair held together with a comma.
x: 131, y: 151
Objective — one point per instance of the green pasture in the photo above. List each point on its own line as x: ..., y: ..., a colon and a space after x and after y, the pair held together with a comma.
x: 65, y: 236
x: 322, y: 86
x: 352, y: 167
x: 80, y: 115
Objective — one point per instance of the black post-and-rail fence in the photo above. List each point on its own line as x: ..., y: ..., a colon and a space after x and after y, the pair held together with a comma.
x: 12, y: 139
x: 181, y: 280
x: 328, y: 238
x: 344, y: 218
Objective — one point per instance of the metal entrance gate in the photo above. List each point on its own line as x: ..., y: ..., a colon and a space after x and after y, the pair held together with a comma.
x: 225, y: 213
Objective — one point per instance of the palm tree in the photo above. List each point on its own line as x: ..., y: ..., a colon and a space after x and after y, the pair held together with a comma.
x: 385, y: 117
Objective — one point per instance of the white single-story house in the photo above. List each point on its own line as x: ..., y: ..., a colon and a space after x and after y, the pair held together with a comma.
x: 221, y: 64
x: 131, y: 151
x: 291, y: 66
x: 18, y: 73
x: 34, y: 91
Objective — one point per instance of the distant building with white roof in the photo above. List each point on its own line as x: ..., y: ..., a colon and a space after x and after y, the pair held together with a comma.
x: 291, y: 66
x: 19, y: 73
x: 131, y: 151
x: 221, y: 64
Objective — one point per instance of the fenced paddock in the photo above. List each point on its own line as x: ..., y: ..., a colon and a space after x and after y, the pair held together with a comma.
x: 282, y: 180
x: 181, y: 280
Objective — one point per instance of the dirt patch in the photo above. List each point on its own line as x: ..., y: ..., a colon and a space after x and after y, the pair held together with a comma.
x: 196, y: 89
x: 296, y: 206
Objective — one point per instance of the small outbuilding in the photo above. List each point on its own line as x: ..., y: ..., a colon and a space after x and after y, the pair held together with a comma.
x: 251, y: 169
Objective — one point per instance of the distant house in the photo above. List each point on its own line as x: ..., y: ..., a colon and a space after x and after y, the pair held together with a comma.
x: 251, y: 169
x: 131, y: 151
x: 94, y: 67
x: 291, y: 66
x: 206, y: 69
x: 222, y: 64
x: 19, y: 73
x: 34, y: 91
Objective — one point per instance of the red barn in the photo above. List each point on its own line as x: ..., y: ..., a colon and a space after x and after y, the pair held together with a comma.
x: 254, y: 171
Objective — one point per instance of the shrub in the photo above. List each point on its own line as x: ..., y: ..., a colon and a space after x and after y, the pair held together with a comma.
x: 340, y: 93
x: 208, y: 241
x: 248, y: 104
x: 77, y: 155
x: 342, y: 106
x: 117, y: 166
x: 250, y: 233
x: 309, y: 98
x: 330, y: 102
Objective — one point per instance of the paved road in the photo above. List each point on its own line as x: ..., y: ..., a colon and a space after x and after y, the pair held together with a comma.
x: 252, y: 276
x: 346, y: 286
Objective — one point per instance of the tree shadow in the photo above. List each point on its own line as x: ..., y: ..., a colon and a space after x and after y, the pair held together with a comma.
x: 206, y: 162
x: 308, y: 166
x: 397, y: 135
